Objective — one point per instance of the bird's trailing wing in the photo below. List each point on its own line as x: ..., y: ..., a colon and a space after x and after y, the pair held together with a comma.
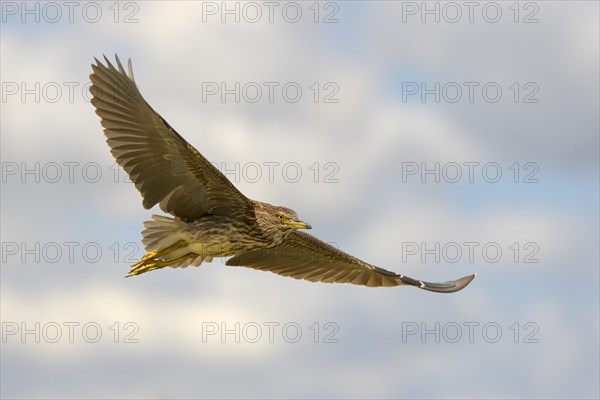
x: 303, y: 256
x: 165, y: 168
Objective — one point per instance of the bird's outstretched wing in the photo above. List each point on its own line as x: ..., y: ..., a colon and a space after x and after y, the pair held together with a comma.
x: 165, y: 168
x: 303, y: 256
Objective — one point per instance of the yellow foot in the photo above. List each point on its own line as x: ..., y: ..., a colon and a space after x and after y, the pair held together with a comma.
x: 148, y: 256
x: 158, y: 253
x: 148, y: 264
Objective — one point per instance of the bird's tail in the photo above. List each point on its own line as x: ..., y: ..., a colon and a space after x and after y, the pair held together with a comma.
x: 167, y: 243
x: 446, y: 287
x: 161, y: 232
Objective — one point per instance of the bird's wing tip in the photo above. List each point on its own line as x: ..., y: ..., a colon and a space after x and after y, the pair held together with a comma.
x: 109, y: 65
x: 448, y: 287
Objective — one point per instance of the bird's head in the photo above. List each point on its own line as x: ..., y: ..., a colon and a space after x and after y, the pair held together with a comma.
x: 277, y: 222
x: 288, y: 219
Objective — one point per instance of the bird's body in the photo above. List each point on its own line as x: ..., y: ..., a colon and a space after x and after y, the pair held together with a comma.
x: 207, y: 237
x: 211, y: 236
x: 211, y: 218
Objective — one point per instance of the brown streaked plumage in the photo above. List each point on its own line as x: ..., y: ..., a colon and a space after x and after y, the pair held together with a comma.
x: 211, y: 217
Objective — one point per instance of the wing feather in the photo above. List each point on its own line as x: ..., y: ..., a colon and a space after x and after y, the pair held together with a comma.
x: 303, y: 256
x: 165, y: 168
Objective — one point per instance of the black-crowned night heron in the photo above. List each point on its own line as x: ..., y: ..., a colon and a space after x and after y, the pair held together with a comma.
x: 211, y: 217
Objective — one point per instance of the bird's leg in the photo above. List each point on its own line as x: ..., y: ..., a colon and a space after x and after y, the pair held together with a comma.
x: 151, y: 265
x: 158, y: 253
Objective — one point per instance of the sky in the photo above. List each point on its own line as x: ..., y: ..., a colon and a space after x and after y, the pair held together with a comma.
x: 434, y: 139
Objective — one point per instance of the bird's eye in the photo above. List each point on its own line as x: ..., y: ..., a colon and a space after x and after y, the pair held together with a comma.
x: 280, y: 217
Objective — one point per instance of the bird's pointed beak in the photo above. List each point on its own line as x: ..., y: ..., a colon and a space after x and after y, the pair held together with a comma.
x: 297, y: 224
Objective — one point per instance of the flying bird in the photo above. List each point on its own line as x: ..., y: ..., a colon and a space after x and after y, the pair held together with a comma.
x: 211, y: 218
